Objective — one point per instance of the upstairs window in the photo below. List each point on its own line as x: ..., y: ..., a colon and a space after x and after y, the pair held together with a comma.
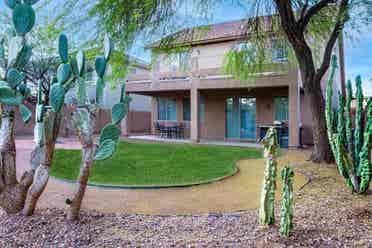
x: 179, y: 61
x: 279, y: 51
x: 166, y: 109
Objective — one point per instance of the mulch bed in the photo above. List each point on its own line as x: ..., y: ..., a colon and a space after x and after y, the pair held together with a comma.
x: 326, y: 215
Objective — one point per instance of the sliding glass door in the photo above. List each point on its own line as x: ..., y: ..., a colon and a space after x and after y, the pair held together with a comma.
x: 241, y: 118
x: 248, y: 118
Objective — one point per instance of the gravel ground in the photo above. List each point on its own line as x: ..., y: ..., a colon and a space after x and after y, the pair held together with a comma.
x: 326, y: 215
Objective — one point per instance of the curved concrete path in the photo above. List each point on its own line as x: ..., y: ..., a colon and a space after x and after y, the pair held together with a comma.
x: 239, y: 192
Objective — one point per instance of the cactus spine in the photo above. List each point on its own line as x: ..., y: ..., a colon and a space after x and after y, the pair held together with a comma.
x: 271, y: 146
x: 286, y: 225
x: 353, y: 163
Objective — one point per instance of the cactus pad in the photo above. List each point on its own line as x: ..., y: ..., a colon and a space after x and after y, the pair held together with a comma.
x: 100, y: 66
x: 25, y: 113
x: 23, y: 18
x: 15, y: 48
x: 118, y: 112
x: 105, y: 150
x: 109, y: 132
x: 63, y: 48
x: 100, y: 85
x: 57, y: 97
x: 80, y: 57
x: 12, y: 3
x: 30, y: 2
x: 14, y: 77
x: 63, y: 73
x: 8, y: 97
x: 109, y: 45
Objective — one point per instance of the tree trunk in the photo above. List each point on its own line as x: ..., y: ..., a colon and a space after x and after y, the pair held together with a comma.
x: 322, y: 150
x: 51, y: 127
x: 86, y: 164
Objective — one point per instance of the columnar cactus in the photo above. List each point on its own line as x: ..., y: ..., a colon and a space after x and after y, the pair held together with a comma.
x: 286, y: 217
x: 271, y: 147
x: 84, y: 120
x: 351, y: 153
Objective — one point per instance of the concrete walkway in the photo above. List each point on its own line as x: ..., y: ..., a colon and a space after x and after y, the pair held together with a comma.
x: 239, y: 192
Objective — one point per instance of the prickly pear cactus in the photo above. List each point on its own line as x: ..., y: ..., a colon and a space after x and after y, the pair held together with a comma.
x: 271, y: 147
x: 286, y: 211
x: 84, y: 120
x: 351, y: 151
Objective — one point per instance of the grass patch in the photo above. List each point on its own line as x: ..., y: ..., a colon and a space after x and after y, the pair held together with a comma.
x: 144, y: 164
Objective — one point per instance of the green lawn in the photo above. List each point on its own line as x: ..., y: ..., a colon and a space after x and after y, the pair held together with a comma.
x: 144, y: 164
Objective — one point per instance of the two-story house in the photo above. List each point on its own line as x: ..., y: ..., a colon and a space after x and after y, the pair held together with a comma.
x: 215, y: 106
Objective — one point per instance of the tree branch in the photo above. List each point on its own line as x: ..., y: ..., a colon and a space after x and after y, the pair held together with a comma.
x: 341, y: 19
x: 313, y: 10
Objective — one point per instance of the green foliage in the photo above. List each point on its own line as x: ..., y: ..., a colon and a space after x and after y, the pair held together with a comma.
x: 106, y: 150
x: 353, y: 164
x: 57, y: 97
x: 26, y: 114
x: 286, y: 217
x: 267, y: 200
x: 63, y: 48
x: 23, y: 18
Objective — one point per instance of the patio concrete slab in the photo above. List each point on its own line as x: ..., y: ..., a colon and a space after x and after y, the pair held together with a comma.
x: 239, y: 192
x: 153, y: 138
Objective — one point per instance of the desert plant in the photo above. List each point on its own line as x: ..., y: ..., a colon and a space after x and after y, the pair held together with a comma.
x: 271, y: 147
x: 14, y: 195
x: 84, y: 120
x: 286, y: 225
x: 350, y: 148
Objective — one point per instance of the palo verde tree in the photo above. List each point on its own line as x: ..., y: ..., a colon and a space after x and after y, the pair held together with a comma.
x: 300, y: 23
x: 351, y: 149
x: 84, y: 121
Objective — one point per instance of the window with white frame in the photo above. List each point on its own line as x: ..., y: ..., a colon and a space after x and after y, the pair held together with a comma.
x: 279, y: 50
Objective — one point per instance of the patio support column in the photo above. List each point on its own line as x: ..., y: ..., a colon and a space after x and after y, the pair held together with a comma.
x: 294, y: 114
x: 154, y: 113
x: 195, y: 103
x: 194, y: 97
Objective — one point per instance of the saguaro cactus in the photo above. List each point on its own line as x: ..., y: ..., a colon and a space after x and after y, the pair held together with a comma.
x: 286, y: 225
x: 271, y: 147
x: 84, y: 120
x: 353, y: 152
